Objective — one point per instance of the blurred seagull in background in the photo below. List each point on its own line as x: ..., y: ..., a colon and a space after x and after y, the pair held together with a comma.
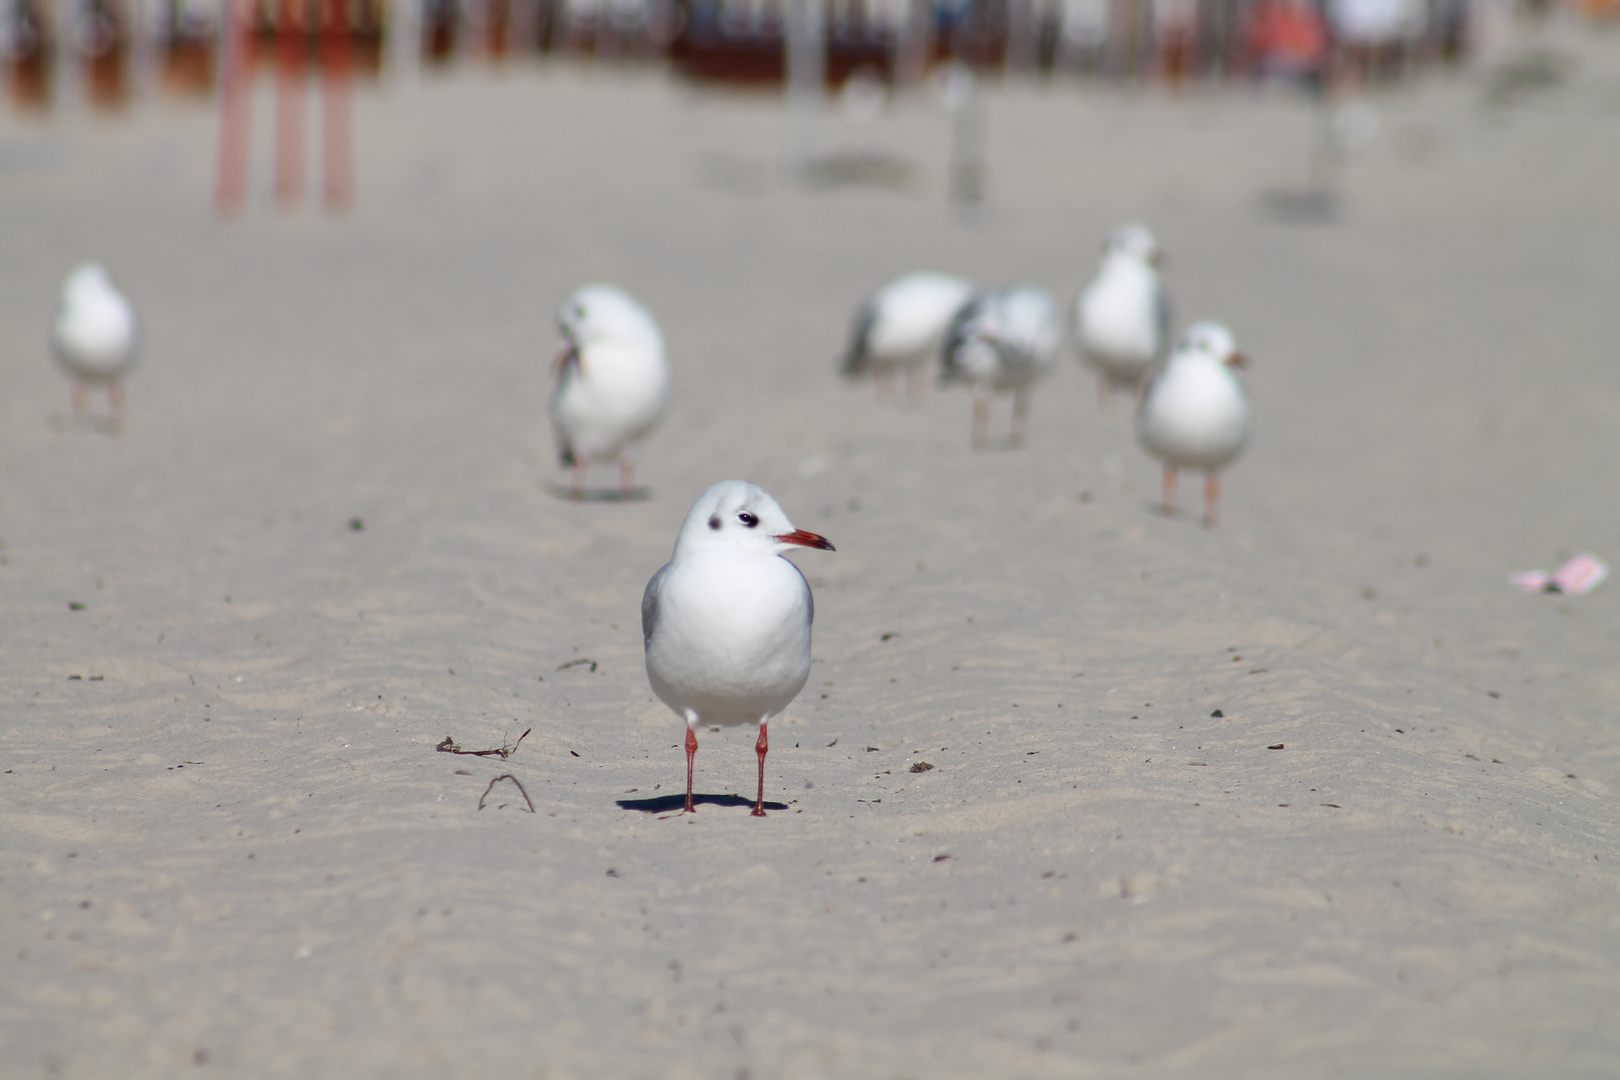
x: 1122, y: 319
x: 612, y: 382
x: 1002, y: 340
x: 1194, y: 412
x: 901, y: 327
x: 726, y: 622
x: 94, y: 338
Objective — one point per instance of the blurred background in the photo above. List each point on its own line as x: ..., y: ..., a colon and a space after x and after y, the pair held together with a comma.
x: 114, y: 54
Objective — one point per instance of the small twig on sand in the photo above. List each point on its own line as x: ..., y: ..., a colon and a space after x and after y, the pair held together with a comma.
x: 448, y: 746
x: 515, y: 780
x: 576, y: 663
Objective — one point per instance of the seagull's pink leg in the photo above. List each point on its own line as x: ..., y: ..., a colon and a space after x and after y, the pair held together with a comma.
x: 981, y: 416
x: 916, y: 380
x: 691, y: 752
x: 1169, y: 489
x: 883, y: 382
x: 1212, y: 495
x: 115, y: 405
x: 627, y: 476
x: 759, y: 748
x: 78, y: 399
x: 1020, y: 426
x: 1105, y: 391
x: 576, y: 484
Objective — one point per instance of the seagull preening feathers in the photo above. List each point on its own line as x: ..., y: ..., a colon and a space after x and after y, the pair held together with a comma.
x: 94, y: 338
x: 612, y: 382
x: 1002, y: 340
x: 1194, y: 412
x: 726, y: 622
x: 1122, y: 319
x: 900, y: 329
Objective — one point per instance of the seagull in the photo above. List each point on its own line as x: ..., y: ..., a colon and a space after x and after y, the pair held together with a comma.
x: 726, y: 622
x: 901, y: 326
x: 1122, y: 319
x: 1194, y: 412
x: 612, y: 382
x: 1002, y: 340
x: 94, y: 337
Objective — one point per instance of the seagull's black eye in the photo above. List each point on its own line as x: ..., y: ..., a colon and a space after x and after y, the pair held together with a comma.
x: 748, y: 519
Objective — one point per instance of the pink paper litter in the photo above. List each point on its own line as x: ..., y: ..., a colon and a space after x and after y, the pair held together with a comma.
x: 1580, y: 575
x: 1530, y: 581
x: 1576, y: 577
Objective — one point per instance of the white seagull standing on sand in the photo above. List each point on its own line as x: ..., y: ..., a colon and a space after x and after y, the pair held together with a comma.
x: 1194, y: 413
x: 1002, y: 340
x: 1122, y: 319
x: 726, y: 622
x: 94, y: 337
x: 612, y: 382
x: 901, y: 328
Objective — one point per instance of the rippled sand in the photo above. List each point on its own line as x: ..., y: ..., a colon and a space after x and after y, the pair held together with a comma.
x: 1315, y: 793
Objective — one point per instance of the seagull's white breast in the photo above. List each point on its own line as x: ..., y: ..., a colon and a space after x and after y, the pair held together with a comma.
x: 1195, y: 414
x: 612, y: 397
x: 728, y: 634
x: 911, y: 317
x: 95, y: 333
x: 1120, y: 319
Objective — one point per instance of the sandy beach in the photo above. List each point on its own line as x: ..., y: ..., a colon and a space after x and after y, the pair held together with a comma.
x: 229, y: 847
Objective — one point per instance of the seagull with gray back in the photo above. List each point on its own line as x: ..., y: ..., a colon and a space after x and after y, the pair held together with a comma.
x: 726, y: 622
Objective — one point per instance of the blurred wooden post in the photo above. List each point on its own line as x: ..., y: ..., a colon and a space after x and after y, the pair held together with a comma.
x: 235, y: 110
x: 292, y: 53
x: 915, y: 44
x: 966, y: 104
x: 337, y: 161
x: 806, y: 74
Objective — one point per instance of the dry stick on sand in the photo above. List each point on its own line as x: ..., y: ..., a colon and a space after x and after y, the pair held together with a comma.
x: 506, y: 776
x: 448, y: 746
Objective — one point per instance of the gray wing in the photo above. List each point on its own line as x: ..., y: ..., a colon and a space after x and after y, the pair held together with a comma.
x: 566, y: 376
x: 860, y: 336
x: 649, y: 605
x: 956, y: 335
x: 809, y: 596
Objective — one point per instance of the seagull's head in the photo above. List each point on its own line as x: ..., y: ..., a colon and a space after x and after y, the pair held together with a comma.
x: 740, y: 514
x: 87, y: 280
x: 1210, y: 341
x: 1135, y: 242
x: 604, y: 313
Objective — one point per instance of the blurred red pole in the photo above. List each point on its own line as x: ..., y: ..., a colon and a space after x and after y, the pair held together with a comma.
x: 235, y: 101
x: 337, y: 159
x: 292, y: 51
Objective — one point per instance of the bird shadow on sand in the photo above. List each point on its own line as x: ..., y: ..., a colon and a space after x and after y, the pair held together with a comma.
x: 1156, y: 508
x: 603, y: 495
x: 663, y: 804
x: 1001, y: 445
x: 100, y: 425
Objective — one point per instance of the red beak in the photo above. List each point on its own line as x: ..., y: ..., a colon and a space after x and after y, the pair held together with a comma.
x: 568, y: 355
x: 1237, y: 360
x: 804, y: 538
